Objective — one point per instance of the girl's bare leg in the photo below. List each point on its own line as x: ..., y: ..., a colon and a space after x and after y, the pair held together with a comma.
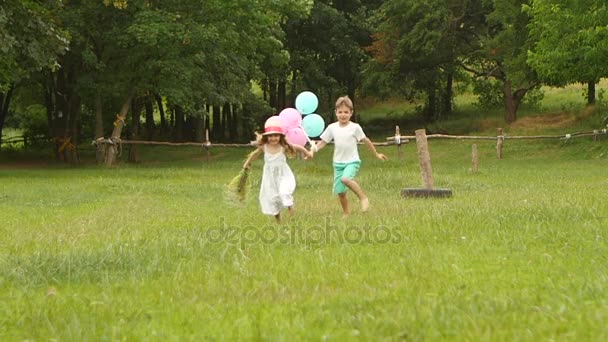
x: 278, y: 217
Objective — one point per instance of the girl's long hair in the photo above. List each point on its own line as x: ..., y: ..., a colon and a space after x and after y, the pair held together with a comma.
x: 290, y: 151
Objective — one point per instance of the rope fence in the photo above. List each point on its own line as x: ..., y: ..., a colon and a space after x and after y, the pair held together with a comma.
x: 396, y: 140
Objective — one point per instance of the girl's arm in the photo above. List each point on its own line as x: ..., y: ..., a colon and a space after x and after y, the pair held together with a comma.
x: 318, y: 146
x: 252, y: 156
x: 372, y: 148
x: 301, y: 149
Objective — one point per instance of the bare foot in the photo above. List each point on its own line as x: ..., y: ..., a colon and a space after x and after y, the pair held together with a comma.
x: 290, y: 211
x: 345, y: 216
x: 365, y: 204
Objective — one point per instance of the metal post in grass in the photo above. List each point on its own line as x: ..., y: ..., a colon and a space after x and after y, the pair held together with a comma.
x: 474, y: 159
x: 500, y: 138
x: 426, y: 171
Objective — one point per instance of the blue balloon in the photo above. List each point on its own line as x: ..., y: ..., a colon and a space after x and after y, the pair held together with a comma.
x: 307, y: 102
x: 313, y: 125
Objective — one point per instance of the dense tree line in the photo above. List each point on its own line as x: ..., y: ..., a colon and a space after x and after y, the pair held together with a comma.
x: 68, y: 67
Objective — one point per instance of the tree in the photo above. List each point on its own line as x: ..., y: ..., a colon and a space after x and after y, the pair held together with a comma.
x: 31, y: 41
x: 502, y: 49
x: 570, y: 42
x: 416, y: 47
x: 326, y: 48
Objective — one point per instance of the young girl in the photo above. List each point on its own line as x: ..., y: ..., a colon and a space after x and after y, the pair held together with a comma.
x: 345, y: 135
x: 278, y: 181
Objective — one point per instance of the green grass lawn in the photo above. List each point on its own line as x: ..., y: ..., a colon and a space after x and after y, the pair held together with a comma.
x: 152, y: 251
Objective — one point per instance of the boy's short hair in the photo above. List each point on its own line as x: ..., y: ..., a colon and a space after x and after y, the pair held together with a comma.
x: 344, y: 101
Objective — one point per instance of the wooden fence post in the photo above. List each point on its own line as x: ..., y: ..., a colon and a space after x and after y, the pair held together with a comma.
x: 424, y: 158
x: 398, y: 142
x: 499, y: 141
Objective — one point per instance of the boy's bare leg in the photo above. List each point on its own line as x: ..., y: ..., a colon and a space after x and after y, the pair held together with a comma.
x: 356, y: 189
x: 344, y: 204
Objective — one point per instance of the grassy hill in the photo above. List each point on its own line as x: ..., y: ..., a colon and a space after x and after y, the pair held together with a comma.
x: 560, y: 110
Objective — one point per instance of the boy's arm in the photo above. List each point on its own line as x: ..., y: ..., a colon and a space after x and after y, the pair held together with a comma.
x: 252, y: 156
x: 372, y: 148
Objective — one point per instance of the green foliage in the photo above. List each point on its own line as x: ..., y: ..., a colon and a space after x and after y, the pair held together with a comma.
x: 489, y: 93
x: 570, y: 40
x: 33, y: 121
x: 31, y: 39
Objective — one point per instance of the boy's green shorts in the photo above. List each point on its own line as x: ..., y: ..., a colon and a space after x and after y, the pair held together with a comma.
x: 344, y: 170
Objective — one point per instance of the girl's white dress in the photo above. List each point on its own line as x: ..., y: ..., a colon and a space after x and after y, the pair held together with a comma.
x: 278, y: 183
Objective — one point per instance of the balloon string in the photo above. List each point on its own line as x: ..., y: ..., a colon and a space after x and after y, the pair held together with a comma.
x: 312, y: 145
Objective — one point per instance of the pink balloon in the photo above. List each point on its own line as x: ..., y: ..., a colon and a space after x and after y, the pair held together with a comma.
x: 296, y: 136
x: 291, y: 117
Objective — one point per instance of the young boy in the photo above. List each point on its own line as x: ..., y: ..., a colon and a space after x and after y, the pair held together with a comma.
x: 346, y: 161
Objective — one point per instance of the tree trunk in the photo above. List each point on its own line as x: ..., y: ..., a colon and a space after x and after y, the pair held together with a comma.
x: 60, y: 96
x: 512, y: 102
x: 199, y: 129
x: 447, y: 96
x: 161, y: 110
x: 234, y: 128
x: 179, y: 123
x: 149, y: 117
x: 207, y: 119
x: 216, y: 130
x: 49, y: 101
x: 282, y: 95
x: 5, y: 101
x: 224, y: 124
x: 246, y: 122
x: 431, y: 110
x: 230, y: 121
x: 100, y: 153
x: 272, y: 95
x: 73, y: 131
x: 118, y: 125
x: 264, y: 86
x: 63, y: 99
x: 135, y: 119
x: 294, y: 82
x: 590, y: 92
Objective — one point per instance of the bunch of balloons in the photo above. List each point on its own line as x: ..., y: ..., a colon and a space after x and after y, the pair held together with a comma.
x: 298, y: 130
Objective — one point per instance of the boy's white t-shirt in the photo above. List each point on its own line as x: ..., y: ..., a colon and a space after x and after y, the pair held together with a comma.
x: 345, y: 141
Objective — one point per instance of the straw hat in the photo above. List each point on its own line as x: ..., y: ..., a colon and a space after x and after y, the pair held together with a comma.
x: 273, y: 126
